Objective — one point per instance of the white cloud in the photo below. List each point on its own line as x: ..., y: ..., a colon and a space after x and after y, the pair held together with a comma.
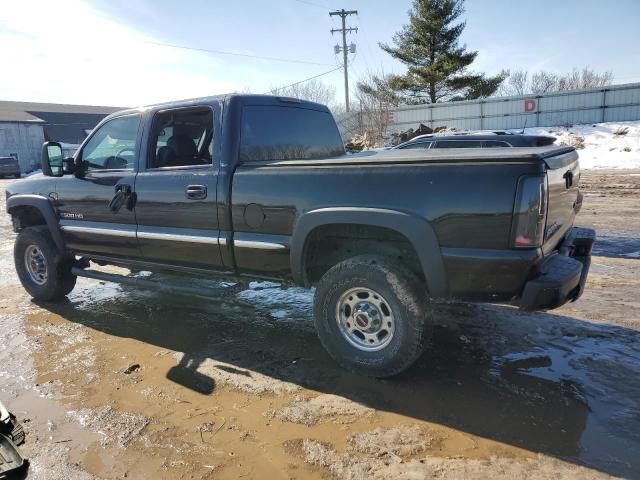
x: 64, y: 51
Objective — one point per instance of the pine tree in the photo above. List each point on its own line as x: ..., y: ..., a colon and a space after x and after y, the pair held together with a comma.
x: 437, y: 65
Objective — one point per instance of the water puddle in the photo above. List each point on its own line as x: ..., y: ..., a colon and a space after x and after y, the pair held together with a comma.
x: 615, y: 246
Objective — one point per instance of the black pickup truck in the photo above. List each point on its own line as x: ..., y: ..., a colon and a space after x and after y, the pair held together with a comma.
x: 260, y: 187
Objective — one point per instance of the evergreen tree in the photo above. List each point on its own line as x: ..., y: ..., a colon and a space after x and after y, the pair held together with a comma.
x: 437, y: 65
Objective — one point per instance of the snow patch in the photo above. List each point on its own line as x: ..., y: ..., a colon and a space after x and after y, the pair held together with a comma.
x: 600, y: 145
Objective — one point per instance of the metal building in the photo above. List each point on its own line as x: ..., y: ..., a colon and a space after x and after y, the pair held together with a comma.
x: 606, y: 104
x: 25, y: 125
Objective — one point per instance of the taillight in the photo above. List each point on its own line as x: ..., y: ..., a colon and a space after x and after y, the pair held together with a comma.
x: 529, y: 212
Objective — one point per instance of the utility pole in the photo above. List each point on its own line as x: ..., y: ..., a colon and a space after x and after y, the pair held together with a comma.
x: 343, y: 14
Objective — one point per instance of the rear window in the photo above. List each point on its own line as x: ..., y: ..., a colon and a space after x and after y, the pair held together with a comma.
x: 288, y: 133
x: 412, y: 146
x: 544, y: 141
x: 458, y: 144
x: 8, y: 161
x: 495, y: 143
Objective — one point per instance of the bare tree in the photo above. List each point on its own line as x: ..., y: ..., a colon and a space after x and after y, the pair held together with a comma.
x: 312, y: 90
x: 349, y: 123
x: 522, y: 82
x: 375, y: 100
x: 543, y: 82
x: 585, y: 78
x: 516, y: 83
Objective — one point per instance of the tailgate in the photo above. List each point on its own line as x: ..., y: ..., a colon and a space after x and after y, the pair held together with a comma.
x: 563, y: 178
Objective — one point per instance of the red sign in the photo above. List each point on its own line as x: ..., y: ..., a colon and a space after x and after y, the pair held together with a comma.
x: 530, y: 105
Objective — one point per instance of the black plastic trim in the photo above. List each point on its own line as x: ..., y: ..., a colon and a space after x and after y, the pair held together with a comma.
x: 43, y: 204
x: 417, y: 230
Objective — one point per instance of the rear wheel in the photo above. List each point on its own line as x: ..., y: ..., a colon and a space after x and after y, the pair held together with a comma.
x: 370, y: 312
x: 44, y: 273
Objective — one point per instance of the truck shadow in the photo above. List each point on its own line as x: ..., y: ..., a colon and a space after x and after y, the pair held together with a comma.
x: 543, y: 382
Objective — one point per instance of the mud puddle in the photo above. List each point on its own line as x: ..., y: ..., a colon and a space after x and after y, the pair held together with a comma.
x: 610, y: 245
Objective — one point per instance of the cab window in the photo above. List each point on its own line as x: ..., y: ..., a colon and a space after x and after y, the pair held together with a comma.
x: 416, y: 145
x: 458, y: 144
x: 182, y: 138
x: 288, y: 133
x: 495, y: 144
x: 113, y: 146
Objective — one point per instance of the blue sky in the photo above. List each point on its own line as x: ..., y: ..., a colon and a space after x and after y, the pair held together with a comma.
x: 106, y: 51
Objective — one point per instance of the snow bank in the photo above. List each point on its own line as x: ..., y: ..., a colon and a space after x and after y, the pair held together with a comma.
x: 600, y: 145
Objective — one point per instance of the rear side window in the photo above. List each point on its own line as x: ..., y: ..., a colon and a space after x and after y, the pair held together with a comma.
x: 417, y: 145
x: 544, y: 141
x: 495, y: 143
x: 288, y: 133
x: 458, y: 144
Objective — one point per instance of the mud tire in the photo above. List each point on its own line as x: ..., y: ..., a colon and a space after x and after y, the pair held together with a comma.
x: 60, y: 281
x: 407, y: 298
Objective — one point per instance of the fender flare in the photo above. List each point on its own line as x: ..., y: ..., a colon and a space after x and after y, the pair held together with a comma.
x: 417, y: 230
x: 43, y: 205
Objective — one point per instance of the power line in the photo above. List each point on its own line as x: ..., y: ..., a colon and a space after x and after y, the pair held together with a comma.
x: 305, y: 80
x: 306, y: 2
x: 367, y: 44
x: 223, y: 52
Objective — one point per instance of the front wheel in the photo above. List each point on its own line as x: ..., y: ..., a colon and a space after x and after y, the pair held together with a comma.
x: 370, y: 312
x: 44, y: 273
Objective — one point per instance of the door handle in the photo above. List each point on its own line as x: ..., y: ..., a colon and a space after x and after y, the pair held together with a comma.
x: 122, y: 195
x: 123, y: 188
x: 196, y: 192
x: 568, y: 178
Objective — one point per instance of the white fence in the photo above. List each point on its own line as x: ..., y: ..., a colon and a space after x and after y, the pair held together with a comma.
x: 606, y: 104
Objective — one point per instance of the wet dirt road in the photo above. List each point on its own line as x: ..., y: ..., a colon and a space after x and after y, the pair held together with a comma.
x: 121, y: 383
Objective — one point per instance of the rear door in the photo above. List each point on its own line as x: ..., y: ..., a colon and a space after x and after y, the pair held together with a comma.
x: 176, y: 205
x: 96, y: 206
x: 263, y: 221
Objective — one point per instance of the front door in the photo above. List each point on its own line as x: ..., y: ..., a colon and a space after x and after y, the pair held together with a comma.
x: 96, y: 206
x: 176, y: 204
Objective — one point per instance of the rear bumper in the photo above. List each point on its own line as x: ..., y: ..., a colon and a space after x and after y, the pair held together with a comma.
x: 561, y: 276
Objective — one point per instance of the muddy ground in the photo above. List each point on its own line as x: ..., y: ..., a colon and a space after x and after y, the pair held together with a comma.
x: 117, y: 383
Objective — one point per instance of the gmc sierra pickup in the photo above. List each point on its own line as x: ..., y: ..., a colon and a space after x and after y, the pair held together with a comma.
x: 260, y: 187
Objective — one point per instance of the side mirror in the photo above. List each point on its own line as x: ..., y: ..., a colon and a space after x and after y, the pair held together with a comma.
x: 52, y: 159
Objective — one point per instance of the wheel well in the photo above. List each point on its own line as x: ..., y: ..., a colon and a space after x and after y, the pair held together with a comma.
x: 328, y: 245
x: 26, y: 216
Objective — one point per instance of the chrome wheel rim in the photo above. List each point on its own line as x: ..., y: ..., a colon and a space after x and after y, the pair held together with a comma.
x: 36, y: 264
x: 365, y: 319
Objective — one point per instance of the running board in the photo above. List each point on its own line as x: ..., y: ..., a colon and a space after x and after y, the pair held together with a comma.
x: 151, y: 285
